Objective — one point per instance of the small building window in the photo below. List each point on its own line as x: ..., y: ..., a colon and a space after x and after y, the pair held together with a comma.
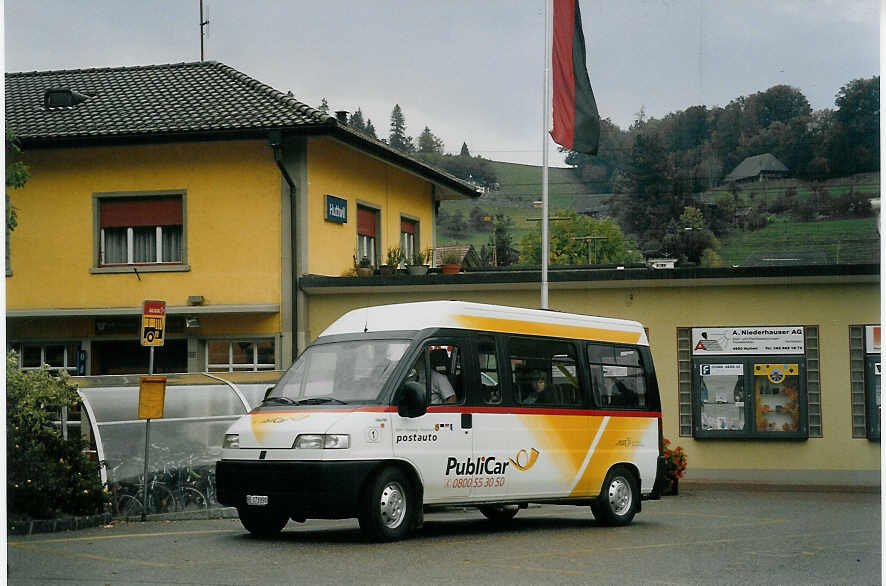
x: 55, y: 356
x: 141, y: 231
x: 409, y: 241
x: 367, y: 235
x: 236, y: 355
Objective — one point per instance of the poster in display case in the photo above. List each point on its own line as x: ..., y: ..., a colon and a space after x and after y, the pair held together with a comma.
x: 749, y: 397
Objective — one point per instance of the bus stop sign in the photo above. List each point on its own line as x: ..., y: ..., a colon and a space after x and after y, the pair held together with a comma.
x: 153, y: 323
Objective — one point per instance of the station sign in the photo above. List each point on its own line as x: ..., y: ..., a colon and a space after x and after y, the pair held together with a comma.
x: 336, y: 209
x: 153, y: 323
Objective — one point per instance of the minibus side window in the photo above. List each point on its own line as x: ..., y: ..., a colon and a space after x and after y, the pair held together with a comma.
x: 490, y: 385
x: 544, y: 372
x: 443, y: 362
x: 617, y: 377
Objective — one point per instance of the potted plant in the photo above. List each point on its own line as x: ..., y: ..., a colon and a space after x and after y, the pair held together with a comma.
x: 417, y: 264
x: 364, y: 267
x: 394, y: 257
x: 451, y: 264
x: 675, y: 467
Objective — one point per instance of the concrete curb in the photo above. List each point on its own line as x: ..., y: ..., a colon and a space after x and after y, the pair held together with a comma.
x: 700, y: 485
x: 32, y: 526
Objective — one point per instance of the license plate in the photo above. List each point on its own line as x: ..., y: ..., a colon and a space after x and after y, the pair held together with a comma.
x: 256, y: 500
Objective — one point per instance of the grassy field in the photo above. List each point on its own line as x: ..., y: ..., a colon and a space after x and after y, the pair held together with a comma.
x: 520, y: 187
x: 834, y: 241
x: 862, y: 183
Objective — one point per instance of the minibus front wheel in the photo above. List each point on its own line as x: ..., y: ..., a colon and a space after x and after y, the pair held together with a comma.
x: 619, y: 498
x: 388, y: 505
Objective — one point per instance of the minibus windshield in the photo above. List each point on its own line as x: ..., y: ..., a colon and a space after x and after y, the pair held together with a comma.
x: 338, y: 373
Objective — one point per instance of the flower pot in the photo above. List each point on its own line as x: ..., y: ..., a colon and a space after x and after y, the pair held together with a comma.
x: 450, y: 269
x: 364, y: 271
x: 417, y: 269
x: 671, y: 487
x: 387, y: 270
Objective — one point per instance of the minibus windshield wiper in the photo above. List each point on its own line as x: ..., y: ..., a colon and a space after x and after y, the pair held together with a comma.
x: 280, y: 400
x: 321, y: 400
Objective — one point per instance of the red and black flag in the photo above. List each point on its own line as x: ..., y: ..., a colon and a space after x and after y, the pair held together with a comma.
x: 576, y: 120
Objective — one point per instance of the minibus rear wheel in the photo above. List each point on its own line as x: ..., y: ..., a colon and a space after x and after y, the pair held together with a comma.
x: 262, y: 521
x: 499, y: 513
x: 618, y: 500
x: 387, y: 506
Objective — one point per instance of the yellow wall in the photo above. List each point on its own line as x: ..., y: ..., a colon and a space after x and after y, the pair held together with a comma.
x: 339, y: 170
x: 831, y: 307
x: 232, y: 220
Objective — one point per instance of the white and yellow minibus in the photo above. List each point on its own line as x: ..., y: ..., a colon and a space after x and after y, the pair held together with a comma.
x: 523, y: 406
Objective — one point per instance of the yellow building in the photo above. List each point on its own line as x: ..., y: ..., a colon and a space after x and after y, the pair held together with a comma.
x: 200, y: 186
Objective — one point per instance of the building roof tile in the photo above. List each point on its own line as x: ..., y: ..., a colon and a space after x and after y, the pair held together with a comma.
x: 152, y: 99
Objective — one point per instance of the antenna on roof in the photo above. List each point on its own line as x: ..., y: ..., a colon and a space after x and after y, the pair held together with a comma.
x: 203, y: 23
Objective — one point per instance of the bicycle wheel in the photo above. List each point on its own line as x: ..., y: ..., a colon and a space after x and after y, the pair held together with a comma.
x: 129, y: 506
x: 161, y: 500
x: 191, y: 499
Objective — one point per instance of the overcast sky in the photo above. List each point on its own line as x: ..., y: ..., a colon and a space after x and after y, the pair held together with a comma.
x: 471, y: 70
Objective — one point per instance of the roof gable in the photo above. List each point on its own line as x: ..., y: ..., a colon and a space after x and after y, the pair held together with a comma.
x: 753, y: 166
x: 153, y: 99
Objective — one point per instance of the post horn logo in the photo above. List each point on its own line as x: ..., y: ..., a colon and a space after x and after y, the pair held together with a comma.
x: 524, y: 460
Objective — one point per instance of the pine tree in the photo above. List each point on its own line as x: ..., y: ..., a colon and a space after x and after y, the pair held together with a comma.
x: 464, y: 150
x: 356, y: 121
x: 324, y: 106
x: 428, y: 143
x: 398, y: 138
x: 370, y: 129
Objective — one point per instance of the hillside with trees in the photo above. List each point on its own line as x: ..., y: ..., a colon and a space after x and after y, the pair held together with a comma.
x: 659, y: 187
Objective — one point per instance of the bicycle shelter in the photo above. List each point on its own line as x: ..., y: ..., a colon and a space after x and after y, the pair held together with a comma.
x: 198, y: 409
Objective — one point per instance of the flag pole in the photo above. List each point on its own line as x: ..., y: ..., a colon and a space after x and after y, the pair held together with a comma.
x: 546, y: 108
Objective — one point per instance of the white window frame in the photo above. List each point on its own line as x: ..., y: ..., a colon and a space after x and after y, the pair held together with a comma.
x: 130, y: 248
x: 231, y: 366
x: 70, y: 362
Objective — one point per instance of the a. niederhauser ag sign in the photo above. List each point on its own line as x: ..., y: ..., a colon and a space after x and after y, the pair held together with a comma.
x: 748, y: 340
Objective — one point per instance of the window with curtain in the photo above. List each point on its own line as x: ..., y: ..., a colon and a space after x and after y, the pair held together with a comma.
x: 408, y: 236
x: 141, y: 230
x: 367, y: 220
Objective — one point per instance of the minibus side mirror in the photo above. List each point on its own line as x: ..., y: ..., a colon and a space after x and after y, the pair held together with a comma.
x: 412, y: 400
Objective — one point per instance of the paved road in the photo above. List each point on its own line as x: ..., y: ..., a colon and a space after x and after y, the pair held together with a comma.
x: 703, y: 536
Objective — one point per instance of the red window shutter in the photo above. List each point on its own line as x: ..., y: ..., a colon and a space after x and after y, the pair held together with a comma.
x: 366, y: 222
x: 146, y: 211
x: 407, y: 227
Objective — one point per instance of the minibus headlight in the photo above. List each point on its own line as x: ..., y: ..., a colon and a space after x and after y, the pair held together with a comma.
x: 309, y: 441
x: 231, y: 441
x: 317, y: 441
x: 337, y: 442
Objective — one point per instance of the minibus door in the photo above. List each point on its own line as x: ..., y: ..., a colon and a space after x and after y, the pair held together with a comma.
x: 439, y: 443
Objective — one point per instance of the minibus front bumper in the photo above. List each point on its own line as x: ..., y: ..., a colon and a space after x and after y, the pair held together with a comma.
x: 305, y: 489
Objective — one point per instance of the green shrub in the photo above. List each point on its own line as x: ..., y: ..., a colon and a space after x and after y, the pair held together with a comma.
x: 46, y: 476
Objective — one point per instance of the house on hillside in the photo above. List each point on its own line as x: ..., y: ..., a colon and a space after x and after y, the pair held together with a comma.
x: 467, y: 255
x: 195, y: 184
x: 757, y: 168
